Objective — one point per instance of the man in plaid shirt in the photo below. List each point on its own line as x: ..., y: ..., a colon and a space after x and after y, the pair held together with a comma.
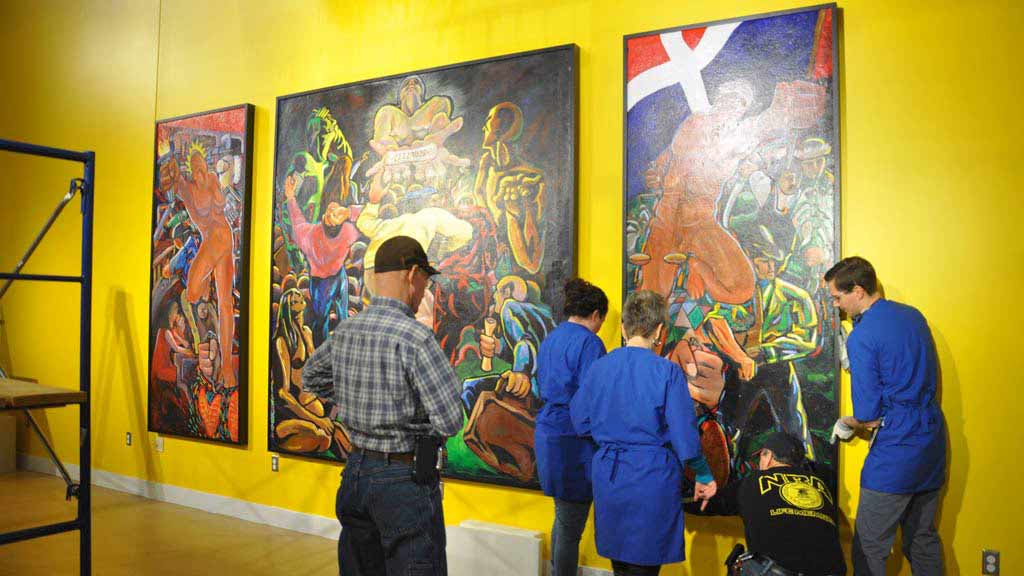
x: 391, y: 382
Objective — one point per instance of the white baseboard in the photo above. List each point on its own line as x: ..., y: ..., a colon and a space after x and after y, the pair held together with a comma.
x: 271, y: 515
x: 214, y: 503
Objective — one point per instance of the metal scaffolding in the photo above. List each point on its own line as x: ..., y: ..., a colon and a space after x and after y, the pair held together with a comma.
x: 40, y: 397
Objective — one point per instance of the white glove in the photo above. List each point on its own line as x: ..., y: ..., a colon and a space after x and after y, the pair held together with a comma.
x: 842, y: 431
x: 841, y: 336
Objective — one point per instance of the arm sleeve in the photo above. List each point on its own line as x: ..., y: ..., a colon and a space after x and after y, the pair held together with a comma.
x: 866, y: 379
x: 349, y: 234
x: 457, y: 232
x: 593, y: 349
x: 438, y: 387
x: 300, y: 227
x: 368, y: 221
x: 579, y: 406
x: 680, y: 418
x: 700, y: 466
x: 318, y: 373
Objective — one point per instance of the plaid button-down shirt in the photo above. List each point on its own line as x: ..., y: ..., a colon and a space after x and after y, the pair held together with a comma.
x: 389, y: 377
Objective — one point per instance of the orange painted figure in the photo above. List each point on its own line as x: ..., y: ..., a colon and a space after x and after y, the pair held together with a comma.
x: 704, y: 153
x: 205, y: 202
x: 511, y: 189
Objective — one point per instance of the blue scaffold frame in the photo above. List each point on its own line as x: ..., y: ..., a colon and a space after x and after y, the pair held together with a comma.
x: 80, y: 490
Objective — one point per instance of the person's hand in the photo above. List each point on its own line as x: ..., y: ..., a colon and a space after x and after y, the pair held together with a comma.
x: 488, y: 346
x: 704, y: 493
x: 842, y: 430
x: 843, y: 335
x: 517, y: 383
x: 747, y: 369
x: 324, y: 426
x: 290, y: 184
x: 703, y: 368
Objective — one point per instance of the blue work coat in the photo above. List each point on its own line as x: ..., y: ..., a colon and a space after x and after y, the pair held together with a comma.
x: 563, y: 457
x: 893, y: 372
x: 638, y: 409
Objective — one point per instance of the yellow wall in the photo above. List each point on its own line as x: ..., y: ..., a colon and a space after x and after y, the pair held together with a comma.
x: 928, y: 107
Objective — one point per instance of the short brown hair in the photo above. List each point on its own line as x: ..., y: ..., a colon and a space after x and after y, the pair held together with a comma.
x: 853, y: 271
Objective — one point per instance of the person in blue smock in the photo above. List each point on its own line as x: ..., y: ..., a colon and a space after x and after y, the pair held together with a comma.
x: 637, y: 407
x: 893, y: 371
x: 563, y: 457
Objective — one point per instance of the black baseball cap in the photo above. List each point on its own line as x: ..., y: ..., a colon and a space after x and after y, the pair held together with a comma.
x: 401, y: 253
x: 785, y: 447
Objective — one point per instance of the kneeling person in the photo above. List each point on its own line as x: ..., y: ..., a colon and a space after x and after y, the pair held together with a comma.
x: 789, y: 513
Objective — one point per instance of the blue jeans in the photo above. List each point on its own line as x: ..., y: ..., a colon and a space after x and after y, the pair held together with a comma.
x: 327, y: 295
x: 389, y: 524
x: 570, y: 519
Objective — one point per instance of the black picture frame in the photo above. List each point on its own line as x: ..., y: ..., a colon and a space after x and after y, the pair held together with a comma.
x: 472, y: 88
x: 829, y: 320
x: 194, y: 419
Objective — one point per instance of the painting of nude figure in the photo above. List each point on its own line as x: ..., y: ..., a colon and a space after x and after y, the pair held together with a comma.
x: 198, y: 282
x: 477, y: 161
x: 731, y: 211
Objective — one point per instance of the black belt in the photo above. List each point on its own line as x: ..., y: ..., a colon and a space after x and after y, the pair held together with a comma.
x: 403, y: 457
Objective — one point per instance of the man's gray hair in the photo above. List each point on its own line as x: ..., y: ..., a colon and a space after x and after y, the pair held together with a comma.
x: 642, y: 313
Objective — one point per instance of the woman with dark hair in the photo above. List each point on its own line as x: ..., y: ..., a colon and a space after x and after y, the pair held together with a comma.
x: 305, y: 426
x: 638, y: 409
x: 563, y: 457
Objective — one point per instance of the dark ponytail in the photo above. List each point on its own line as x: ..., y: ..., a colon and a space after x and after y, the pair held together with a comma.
x: 583, y: 298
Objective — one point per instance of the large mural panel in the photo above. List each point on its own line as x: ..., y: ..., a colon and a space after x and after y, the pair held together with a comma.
x: 478, y: 162
x: 198, y: 281
x: 731, y: 212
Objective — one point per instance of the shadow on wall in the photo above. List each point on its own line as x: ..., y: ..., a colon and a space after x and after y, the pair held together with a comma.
x: 950, y: 397
x: 118, y: 350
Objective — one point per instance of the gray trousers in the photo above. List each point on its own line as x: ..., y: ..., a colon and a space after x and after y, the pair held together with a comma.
x: 878, y: 515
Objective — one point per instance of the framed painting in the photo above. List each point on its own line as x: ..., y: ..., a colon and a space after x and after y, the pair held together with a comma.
x: 202, y: 181
x: 478, y: 162
x: 731, y: 211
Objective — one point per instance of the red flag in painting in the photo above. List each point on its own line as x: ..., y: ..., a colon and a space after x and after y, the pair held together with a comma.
x: 647, y: 52
x: 821, y: 61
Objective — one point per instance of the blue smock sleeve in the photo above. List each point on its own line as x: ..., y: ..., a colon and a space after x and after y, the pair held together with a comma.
x: 866, y: 381
x: 680, y: 418
x: 579, y: 407
x: 592, y: 350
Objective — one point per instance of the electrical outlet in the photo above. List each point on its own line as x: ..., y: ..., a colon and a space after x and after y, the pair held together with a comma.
x: 127, y: 438
x: 159, y: 443
x: 990, y: 561
x: 274, y: 463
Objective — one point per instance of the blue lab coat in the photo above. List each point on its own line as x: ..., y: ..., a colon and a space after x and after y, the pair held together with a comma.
x: 893, y: 372
x: 563, y: 457
x: 638, y: 409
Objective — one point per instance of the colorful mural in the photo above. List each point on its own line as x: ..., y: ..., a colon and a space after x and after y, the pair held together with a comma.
x: 477, y: 162
x: 731, y: 212
x: 201, y: 190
